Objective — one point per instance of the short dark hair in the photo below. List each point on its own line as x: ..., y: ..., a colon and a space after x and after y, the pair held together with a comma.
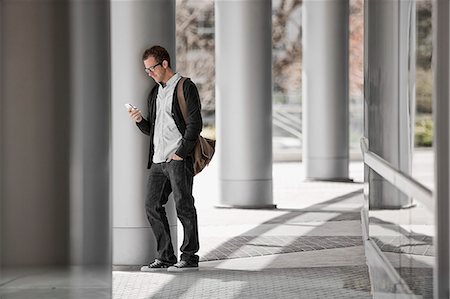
x: 159, y: 53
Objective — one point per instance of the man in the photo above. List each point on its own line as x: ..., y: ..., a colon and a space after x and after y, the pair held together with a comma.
x: 172, y: 141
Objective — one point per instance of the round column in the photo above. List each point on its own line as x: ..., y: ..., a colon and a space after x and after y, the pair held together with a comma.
x: 325, y: 89
x: 135, y: 26
x: 244, y: 102
x: 90, y: 133
x: 55, y: 163
x: 389, y: 95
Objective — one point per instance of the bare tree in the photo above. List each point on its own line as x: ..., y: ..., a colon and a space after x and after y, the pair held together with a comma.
x: 195, y: 46
x: 286, y: 44
x: 356, y: 48
x: 196, y: 55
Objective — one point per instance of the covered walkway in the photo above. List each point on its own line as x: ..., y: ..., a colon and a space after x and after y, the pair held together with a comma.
x: 311, y: 246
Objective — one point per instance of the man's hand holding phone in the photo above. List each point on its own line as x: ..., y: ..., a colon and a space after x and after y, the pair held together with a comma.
x: 134, y: 112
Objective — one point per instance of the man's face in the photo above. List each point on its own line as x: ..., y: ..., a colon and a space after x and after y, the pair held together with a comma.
x: 154, y: 69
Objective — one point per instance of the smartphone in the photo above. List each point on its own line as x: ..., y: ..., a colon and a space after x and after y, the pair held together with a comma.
x: 128, y: 106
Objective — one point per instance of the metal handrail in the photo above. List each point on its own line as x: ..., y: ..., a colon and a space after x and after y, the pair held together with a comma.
x: 287, y: 117
x: 287, y: 128
x: 286, y: 122
x: 403, y: 182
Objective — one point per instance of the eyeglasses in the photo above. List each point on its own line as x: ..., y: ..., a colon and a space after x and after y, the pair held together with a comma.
x: 152, y: 68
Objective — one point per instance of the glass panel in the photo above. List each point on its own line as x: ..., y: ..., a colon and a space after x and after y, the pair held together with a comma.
x: 356, y: 76
x: 287, y: 81
x: 195, y: 42
x: 423, y: 156
x: 286, y: 76
x: 398, y: 123
x: 406, y: 239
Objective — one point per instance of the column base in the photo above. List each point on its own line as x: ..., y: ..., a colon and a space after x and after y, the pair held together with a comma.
x: 137, y: 245
x: 327, y: 169
x: 339, y: 180
x: 251, y: 194
x: 385, y: 196
x: 266, y: 207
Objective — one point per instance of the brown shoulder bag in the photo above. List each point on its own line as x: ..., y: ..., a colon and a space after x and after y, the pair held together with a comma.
x: 204, y: 148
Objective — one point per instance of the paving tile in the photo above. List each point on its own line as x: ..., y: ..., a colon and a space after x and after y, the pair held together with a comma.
x: 326, y: 282
x: 241, y: 247
x: 311, y: 247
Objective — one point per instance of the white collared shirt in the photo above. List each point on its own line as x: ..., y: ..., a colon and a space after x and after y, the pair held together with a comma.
x: 167, y: 138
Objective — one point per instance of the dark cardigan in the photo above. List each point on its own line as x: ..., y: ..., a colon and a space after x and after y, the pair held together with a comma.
x: 189, y: 131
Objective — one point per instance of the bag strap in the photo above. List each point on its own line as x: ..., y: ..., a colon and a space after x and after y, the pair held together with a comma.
x: 182, y: 99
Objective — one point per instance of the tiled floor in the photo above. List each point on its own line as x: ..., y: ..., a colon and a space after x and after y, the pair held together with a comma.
x: 55, y: 283
x: 320, y: 282
x: 242, y: 246
x: 309, y: 247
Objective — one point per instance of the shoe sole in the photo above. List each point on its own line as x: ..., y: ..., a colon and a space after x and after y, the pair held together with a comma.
x: 175, y: 269
x: 148, y: 269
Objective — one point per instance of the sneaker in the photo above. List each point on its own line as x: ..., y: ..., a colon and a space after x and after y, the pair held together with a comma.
x: 182, y: 266
x: 157, y: 265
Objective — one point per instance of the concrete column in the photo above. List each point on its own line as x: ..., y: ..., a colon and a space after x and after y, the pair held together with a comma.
x: 135, y: 26
x: 325, y: 89
x: 34, y: 161
x: 244, y: 102
x: 441, y: 112
x: 55, y: 134
x: 90, y: 132
x: 389, y: 99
